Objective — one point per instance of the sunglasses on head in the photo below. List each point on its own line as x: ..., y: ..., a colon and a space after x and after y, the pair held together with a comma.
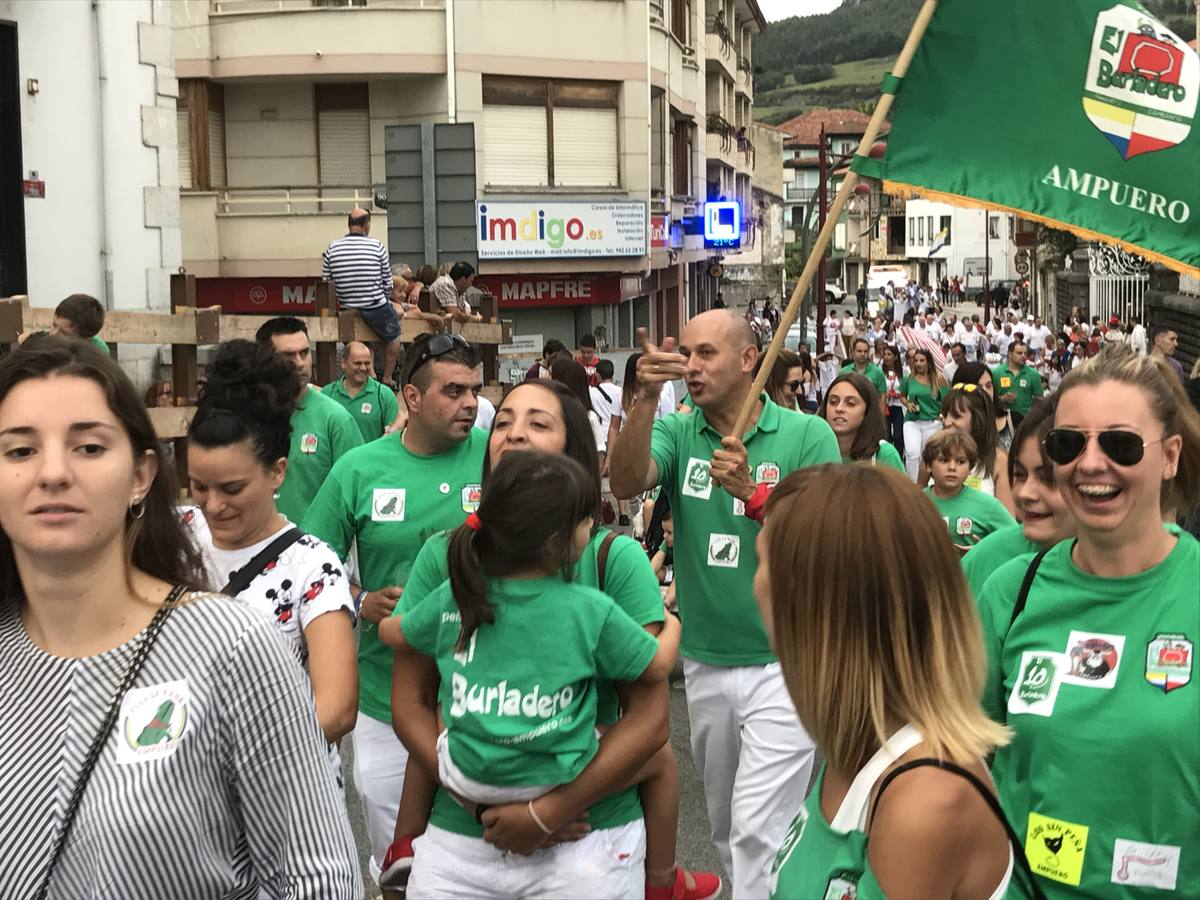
x: 1125, y: 448
x: 438, y: 345
x: 969, y: 388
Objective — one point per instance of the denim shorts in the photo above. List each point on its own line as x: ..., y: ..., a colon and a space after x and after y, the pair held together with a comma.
x: 383, y: 321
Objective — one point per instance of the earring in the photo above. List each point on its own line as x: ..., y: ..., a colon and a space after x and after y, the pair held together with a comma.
x: 137, y: 508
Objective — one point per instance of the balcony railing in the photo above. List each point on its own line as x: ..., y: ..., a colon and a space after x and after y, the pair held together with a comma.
x: 721, y: 30
x: 293, y: 201
x: 803, y: 194
x: 249, y: 7
x: 656, y: 11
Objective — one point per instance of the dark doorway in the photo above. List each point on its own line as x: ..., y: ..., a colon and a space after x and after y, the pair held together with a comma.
x: 12, y: 201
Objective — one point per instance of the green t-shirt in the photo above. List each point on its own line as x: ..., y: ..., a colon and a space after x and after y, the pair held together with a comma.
x: 1026, y: 385
x: 994, y: 551
x: 95, y: 339
x: 630, y: 581
x: 873, y: 374
x: 714, y: 540
x: 519, y: 702
x: 929, y: 401
x: 391, y: 501
x: 970, y: 515
x: 373, y: 408
x: 322, y: 433
x: 1096, y: 678
x: 886, y: 455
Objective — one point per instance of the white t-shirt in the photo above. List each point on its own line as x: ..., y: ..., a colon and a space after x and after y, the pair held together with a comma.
x: 306, y: 581
x: 485, y: 413
x: 598, y: 432
x: 605, y: 399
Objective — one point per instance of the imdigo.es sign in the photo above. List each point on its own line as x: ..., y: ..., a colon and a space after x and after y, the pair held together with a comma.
x: 261, y: 296
x: 523, y: 291
x: 533, y: 229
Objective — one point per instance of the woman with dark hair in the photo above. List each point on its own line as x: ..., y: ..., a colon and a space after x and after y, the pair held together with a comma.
x: 133, y: 711
x: 786, y: 380
x: 545, y: 416
x: 574, y: 376
x: 237, y: 458
x: 893, y: 378
x: 980, y: 374
x: 968, y: 408
x: 852, y: 410
x: 922, y: 390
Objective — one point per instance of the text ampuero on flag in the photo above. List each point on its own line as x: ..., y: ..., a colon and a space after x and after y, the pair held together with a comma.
x: 1077, y: 113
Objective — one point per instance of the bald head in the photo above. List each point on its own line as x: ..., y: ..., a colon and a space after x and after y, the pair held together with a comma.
x: 359, y: 221
x: 357, y: 363
x: 721, y: 352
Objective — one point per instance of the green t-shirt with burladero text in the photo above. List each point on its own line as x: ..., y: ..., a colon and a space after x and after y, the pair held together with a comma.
x: 322, y: 433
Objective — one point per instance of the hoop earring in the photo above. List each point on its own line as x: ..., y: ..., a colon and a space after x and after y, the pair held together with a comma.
x: 140, y: 507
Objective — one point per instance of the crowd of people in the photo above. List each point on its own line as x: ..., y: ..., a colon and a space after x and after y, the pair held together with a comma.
x: 931, y: 610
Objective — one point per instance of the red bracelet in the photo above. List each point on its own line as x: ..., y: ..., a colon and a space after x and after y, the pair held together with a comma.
x: 756, y: 506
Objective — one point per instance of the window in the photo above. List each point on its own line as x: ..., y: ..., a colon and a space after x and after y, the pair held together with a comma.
x: 945, y: 221
x: 550, y: 133
x: 681, y: 15
x: 658, y: 149
x: 929, y: 229
x: 343, y: 135
x: 681, y: 157
x: 200, y: 128
x: 994, y: 227
x: 912, y: 228
x: 1011, y: 228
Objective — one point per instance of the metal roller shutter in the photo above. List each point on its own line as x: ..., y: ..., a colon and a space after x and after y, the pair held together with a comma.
x: 515, y: 138
x: 216, y: 147
x: 345, y: 151
x: 585, y: 147
x: 183, y: 135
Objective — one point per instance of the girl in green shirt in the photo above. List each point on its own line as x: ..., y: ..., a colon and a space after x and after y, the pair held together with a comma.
x: 853, y: 411
x: 882, y: 657
x: 922, y: 390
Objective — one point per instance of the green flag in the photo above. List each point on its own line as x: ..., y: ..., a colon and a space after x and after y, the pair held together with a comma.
x: 1076, y: 113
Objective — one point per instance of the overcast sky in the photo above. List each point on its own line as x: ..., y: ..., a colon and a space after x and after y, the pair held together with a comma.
x: 775, y: 10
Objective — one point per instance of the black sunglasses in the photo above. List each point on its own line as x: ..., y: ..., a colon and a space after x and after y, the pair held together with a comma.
x: 419, y: 354
x: 794, y: 385
x: 1125, y: 448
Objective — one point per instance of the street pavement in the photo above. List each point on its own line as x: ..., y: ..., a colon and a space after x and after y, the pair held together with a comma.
x: 695, y: 849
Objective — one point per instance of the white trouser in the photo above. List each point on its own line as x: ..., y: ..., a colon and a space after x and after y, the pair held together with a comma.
x: 379, y: 764
x: 915, y: 436
x: 608, y: 863
x: 755, y: 760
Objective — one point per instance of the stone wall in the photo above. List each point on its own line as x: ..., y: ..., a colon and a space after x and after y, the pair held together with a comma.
x: 1180, y: 312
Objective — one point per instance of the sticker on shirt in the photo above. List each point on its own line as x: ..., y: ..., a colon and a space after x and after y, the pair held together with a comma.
x: 724, y: 550
x: 1024, y: 382
x: 1055, y: 848
x: 366, y: 408
x: 1037, y: 683
x: 152, y: 722
x: 767, y: 473
x: 842, y: 886
x: 739, y: 507
x: 308, y: 443
x: 1005, y: 381
x: 697, y: 480
x: 387, y: 505
x: 1145, y: 865
x: 963, y: 525
x: 1093, y: 659
x: 790, y: 841
x: 471, y: 495
x: 1169, y: 661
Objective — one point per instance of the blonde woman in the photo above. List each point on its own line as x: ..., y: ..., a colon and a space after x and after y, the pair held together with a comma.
x: 883, y: 658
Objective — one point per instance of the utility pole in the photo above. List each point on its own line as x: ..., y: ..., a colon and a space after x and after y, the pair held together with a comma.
x: 987, y: 265
x: 821, y: 209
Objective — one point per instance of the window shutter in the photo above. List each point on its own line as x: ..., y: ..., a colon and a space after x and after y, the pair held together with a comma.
x: 345, y: 151
x: 585, y: 147
x: 184, y: 136
x: 515, y: 137
x: 216, y: 147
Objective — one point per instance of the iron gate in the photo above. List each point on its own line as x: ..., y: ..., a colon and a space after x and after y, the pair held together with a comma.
x: 1117, y: 283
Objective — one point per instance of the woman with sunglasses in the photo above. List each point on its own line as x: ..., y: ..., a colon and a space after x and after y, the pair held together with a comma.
x: 922, y: 390
x: 784, y: 384
x: 979, y: 373
x: 1091, y: 646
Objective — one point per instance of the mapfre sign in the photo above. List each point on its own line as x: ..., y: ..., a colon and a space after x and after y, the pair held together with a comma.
x: 258, y: 296
x: 526, y: 291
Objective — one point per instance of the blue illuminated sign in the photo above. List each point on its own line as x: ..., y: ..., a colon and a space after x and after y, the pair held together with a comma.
x: 722, y: 224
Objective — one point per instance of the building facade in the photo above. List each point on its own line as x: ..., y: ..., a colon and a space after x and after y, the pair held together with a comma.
x: 944, y: 241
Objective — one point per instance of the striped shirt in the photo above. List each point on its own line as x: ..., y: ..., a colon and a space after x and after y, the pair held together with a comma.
x: 214, y: 784
x: 358, y: 267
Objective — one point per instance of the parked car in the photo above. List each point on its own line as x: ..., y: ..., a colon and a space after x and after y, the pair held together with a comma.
x: 834, y: 292
x: 1001, y: 288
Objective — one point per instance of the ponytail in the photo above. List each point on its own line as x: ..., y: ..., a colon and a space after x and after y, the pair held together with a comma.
x: 468, y: 584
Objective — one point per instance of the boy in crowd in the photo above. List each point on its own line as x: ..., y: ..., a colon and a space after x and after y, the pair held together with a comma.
x: 970, y: 515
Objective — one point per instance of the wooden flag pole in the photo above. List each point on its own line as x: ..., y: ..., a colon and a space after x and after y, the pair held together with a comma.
x: 835, y: 210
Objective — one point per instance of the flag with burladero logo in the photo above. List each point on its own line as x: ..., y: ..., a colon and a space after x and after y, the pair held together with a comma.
x: 1077, y: 113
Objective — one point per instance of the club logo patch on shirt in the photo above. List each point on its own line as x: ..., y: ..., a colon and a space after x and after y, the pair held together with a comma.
x: 697, y: 479
x: 1005, y: 381
x: 739, y: 507
x: 790, y: 841
x: 1145, y: 865
x: 842, y: 886
x: 1093, y: 659
x: 963, y: 525
x: 1037, y: 683
x: 767, y: 473
x: 308, y: 443
x: 724, y: 550
x: 471, y: 496
x: 366, y: 408
x: 152, y: 722
x: 1169, y: 661
x: 387, y: 505
x: 1055, y: 848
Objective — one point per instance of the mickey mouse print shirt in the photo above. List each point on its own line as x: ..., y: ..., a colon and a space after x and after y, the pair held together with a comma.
x: 305, y: 582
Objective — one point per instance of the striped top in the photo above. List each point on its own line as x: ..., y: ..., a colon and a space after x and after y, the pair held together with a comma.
x: 358, y: 267
x: 214, y: 784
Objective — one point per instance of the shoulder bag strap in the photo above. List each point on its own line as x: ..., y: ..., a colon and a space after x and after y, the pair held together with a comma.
x: 988, y: 797
x: 239, y: 579
x: 1023, y: 596
x: 602, y: 558
x: 102, y: 734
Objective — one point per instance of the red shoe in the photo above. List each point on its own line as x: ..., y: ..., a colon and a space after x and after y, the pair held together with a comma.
x: 704, y: 886
x: 397, y: 864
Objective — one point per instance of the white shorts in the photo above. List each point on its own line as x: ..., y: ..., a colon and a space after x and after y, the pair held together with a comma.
x: 454, y: 779
x: 608, y: 863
